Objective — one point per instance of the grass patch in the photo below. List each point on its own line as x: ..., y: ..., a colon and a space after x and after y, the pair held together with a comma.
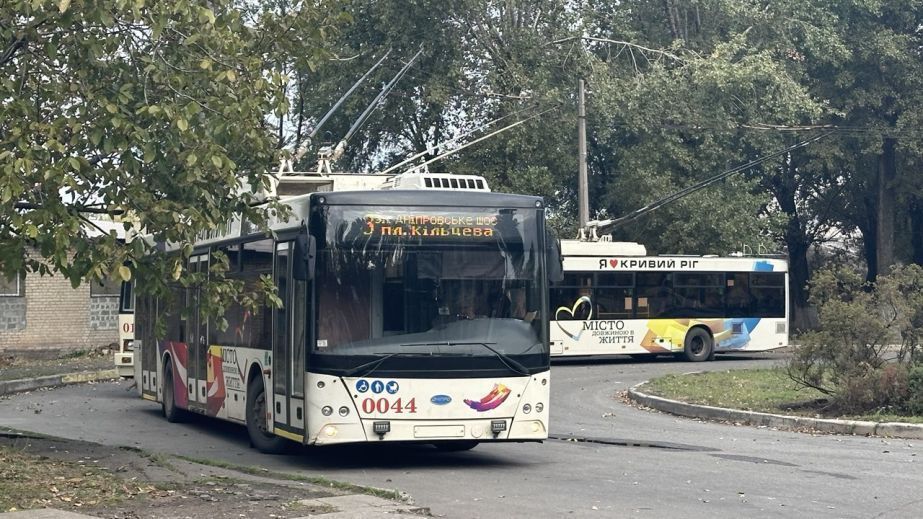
x: 761, y: 390
x: 314, y: 480
x: 30, y: 481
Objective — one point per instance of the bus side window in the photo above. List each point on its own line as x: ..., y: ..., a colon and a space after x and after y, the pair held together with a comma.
x: 175, y: 323
x: 768, y: 290
x: 737, y: 294
x: 655, y: 289
x: 566, y: 304
x: 614, y: 295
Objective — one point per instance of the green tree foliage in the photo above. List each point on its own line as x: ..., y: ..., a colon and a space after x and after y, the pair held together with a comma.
x: 151, y: 112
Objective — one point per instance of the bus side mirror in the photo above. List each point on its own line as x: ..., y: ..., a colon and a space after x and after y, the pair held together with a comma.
x: 554, y: 261
x: 305, y: 252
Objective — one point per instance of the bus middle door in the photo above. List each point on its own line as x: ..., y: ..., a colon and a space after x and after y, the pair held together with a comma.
x: 288, y: 348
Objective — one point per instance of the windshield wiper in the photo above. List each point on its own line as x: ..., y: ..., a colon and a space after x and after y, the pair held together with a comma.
x: 508, y: 361
x: 373, y: 365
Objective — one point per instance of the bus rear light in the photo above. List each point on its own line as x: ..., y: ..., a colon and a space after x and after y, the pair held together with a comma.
x: 497, y: 426
x: 326, y: 410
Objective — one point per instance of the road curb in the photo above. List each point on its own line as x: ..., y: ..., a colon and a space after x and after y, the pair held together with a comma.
x: 853, y: 427
x: 8, y: 387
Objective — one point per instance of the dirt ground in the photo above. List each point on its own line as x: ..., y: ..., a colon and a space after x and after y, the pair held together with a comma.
x: 123, y: 483
x: 15, y: 368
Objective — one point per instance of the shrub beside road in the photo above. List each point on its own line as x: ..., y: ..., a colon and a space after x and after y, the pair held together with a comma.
x: 761, y: 390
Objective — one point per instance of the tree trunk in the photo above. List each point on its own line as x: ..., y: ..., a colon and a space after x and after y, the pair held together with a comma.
x: 886, y: 206
x: 916, y: 229
x: 797, y: 241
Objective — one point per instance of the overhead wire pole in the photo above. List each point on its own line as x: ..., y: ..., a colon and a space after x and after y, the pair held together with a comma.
x: 384, y: 91
x: 307, y: 143
x: 483, y: 137
x: 488, y: 124
x: 583, y: 189
x: 327, y: 155
x: 605, y: 226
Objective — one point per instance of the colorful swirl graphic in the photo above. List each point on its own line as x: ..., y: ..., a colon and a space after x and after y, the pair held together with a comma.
x: 492, y: 400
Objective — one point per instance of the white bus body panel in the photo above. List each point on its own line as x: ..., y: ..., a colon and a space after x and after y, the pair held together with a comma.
x: 124, y: 358
x: 417, y: 409
x: 426, y: 409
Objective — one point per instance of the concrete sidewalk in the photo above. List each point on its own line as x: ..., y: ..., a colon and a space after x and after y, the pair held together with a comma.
x: 8, y: 387
x: 352, y: 506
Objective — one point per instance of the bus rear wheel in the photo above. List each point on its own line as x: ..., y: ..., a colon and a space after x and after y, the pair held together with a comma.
x: 698, y: 346
x: 260, y: 436
x: 172, y: 413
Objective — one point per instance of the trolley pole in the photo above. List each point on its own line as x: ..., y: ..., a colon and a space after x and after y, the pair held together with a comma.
x: 583, y: 196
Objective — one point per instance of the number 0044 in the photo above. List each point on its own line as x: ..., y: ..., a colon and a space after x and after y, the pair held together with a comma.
x: 383, y: 405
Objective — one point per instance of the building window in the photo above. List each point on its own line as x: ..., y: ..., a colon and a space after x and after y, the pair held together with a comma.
x: 106, y: 288
x: 10, y: 287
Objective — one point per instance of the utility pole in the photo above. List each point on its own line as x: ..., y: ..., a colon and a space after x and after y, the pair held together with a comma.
x: 583, y: 195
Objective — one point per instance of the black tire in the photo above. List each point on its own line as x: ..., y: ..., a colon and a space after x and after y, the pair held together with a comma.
x: 456, y: 446
x: 698, y: 346
x: 260, y: 437
x: 172, y: 413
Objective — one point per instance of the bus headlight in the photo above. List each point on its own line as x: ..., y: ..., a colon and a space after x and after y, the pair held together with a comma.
x: 344, y: 411
x: 539, y: 407
x: 527, y: 409
x: 326, y: 410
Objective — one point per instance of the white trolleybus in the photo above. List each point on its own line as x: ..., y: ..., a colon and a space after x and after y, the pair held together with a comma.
x: 412, y: 315
x: 616, y: 300
x: 123, y: 356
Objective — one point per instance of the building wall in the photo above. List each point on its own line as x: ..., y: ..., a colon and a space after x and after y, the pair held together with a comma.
x: 51, y: 315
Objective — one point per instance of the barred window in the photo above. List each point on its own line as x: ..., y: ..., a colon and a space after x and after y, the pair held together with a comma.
x: 11, y: 286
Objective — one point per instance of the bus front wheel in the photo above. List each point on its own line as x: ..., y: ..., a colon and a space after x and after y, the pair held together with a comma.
x: 260, y: 436
x: 698, y: 346
x: 172, y: 413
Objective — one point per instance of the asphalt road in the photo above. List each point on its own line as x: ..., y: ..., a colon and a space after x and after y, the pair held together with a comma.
x: 628, y: 462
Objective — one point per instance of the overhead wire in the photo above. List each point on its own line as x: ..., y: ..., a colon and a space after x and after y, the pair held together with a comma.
x: 611, y: 224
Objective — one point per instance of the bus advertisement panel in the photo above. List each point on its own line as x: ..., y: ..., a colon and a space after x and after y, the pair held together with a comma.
x: 690, y: 306
x: 400, y: 322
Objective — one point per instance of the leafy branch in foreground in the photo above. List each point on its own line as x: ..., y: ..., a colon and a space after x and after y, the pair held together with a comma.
x: 151, y: 116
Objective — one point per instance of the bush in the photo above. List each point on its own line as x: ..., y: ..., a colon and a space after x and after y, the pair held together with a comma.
x: 914, y: 403
x: 866, y: 354
x: 884, y: 389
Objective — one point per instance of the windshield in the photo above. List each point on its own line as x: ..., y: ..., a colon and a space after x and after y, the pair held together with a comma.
x: 414, y: 283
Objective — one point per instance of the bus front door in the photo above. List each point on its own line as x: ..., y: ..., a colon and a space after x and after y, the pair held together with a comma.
x: 288, y: 348
x: 196, y: 337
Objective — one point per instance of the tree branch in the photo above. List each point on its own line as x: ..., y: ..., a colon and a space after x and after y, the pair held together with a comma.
x: 79, y: 208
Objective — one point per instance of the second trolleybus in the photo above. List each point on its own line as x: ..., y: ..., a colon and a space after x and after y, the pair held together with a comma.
x: 615, y: 299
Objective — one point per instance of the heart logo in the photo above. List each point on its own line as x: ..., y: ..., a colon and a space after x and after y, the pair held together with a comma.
x: 613, y: 263
x: 572, y: 312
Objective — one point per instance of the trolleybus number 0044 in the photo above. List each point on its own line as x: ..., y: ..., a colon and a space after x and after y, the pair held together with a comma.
x: 383, y: 405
